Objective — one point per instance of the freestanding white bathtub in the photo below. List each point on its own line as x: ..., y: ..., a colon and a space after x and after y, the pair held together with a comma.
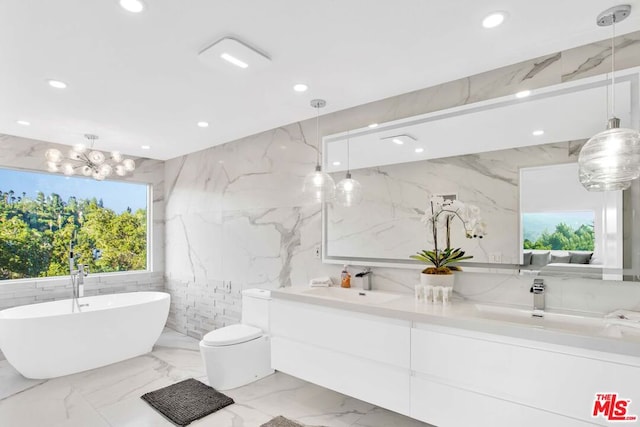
x: 58, y: 338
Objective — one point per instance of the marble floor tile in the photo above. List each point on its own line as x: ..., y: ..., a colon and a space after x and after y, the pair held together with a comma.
x: 181, y: 362
x: 379, y: 417
x: 11, y: 382
x: 280, y: 394
x: 133, y: 412
x: 52, y: 403
x: 110, y: 396
x: 236, y: 415
x: 173, y: 339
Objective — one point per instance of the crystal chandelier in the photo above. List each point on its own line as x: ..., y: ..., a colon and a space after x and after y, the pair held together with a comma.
x: 88, y: 162
x: 319, y: 185
x: 610, y: 160
x: 348, y: 190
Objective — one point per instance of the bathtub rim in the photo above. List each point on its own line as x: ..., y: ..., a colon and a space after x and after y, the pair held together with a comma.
x: 161, y: 296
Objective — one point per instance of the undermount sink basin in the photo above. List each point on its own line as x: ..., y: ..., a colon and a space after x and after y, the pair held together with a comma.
x: 353, y: 295
x: 548, y: 319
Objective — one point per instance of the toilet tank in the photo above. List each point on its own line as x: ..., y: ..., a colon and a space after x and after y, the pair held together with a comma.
x: 255, y: 308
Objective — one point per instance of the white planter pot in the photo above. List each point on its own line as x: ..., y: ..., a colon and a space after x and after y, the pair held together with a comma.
x: 444, y: 280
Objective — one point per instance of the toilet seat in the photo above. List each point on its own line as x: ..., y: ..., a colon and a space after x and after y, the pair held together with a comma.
x: 233, y: 334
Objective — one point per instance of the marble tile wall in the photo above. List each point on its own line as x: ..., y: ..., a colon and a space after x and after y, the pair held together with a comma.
x: 563, y: 292
x: 26, y: 291
x: 236, y: 217
x: 28, y: 154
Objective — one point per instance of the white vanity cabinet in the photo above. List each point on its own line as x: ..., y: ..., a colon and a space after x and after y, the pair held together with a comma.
x: 446, y: 375
x: 467, y: 378
x: 357, y: 354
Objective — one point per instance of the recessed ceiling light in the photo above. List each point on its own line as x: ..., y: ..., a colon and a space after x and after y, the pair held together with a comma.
x: 145, y: 147
x: 300, y: 87
x: 203, y: 124
x: 233, y: 60
x: 523, y: 93
x: 494, y: 19
x: 57, y: 84
x: 336, y: 163
x: 373, y: 125
x: 134, y: 6
x: 537, y: 132
x: 23, y: 122
x: 419, y: 150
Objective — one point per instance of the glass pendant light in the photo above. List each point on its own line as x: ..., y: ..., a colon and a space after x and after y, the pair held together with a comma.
x: 348, y: 190
x: 317, y: 184
x: 610, y: 160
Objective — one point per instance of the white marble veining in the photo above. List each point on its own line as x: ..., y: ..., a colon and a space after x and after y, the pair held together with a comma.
x: 110, y: 396
x: 387, y: 224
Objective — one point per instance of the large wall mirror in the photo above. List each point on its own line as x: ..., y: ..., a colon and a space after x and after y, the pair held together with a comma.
x: 513, y: 158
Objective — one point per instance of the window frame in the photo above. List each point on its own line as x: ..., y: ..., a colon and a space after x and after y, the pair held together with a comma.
x: 149, y: 188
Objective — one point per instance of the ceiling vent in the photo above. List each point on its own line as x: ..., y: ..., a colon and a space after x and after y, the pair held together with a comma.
x: 231, y: 53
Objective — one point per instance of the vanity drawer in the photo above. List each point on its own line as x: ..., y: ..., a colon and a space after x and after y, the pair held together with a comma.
x: 377, y: 383
x: 446, y: 406
x: 369, y: 337
x: 545, y: 379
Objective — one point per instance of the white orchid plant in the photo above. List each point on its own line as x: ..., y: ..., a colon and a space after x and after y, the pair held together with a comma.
x: 440, y: 213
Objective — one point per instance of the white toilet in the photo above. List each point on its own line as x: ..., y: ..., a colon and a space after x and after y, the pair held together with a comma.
x: 239, y: 354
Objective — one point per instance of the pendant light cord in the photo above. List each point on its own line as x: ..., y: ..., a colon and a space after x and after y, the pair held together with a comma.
x: 348, y: 162
x: 613, y: 64
x: 318, y: 136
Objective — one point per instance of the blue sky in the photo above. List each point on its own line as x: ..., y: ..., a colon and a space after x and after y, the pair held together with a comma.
x: 114, y: 194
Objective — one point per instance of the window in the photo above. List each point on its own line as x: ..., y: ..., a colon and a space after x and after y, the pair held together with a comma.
x: 558, y: 214
x: 559, y: 230
x: 42, y: 214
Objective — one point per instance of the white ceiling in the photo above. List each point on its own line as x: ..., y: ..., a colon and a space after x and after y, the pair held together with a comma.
x: 135, y: 79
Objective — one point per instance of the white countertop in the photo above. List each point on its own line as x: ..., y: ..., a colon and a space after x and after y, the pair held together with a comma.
x: 568, y: 329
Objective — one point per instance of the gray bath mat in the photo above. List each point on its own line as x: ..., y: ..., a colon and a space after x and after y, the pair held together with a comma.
x: 281, y: 421
x: 186, y: 401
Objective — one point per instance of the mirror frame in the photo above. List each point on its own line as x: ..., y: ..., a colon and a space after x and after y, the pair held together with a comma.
x: 631, y: 75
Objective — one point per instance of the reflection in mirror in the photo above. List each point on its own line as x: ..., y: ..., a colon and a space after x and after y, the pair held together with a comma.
x: 477, y: 152
x: 387, y: 226
x: 564, y: 226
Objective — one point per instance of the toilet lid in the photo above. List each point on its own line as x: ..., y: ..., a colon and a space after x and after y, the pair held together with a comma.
x: 233, y: 334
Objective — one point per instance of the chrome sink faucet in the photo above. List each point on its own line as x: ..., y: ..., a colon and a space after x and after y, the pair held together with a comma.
x: 365, y: 277
x: 537, y: 289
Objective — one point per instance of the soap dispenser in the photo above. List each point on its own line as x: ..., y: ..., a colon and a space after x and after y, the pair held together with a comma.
x: 345, y: 278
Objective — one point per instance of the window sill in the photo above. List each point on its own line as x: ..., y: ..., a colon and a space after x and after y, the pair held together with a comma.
x: 91, y: 279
